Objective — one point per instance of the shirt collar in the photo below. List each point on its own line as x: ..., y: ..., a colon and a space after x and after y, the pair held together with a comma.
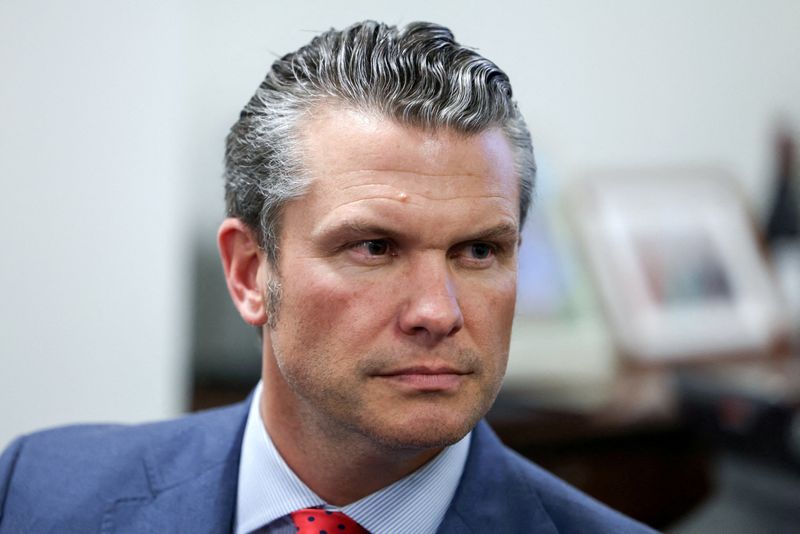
x: 268, y: 488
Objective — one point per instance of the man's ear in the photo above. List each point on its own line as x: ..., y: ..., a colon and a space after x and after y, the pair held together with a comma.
x: 245, y: 268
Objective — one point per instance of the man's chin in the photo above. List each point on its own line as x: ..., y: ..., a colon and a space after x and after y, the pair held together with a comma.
x: 421, y: 434
x: 427, y: 424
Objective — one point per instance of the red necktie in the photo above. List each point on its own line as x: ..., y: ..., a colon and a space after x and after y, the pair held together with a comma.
x: 319, y: 521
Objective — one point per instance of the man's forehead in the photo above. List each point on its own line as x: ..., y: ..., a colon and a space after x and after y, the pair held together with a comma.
x: 363, y: 150
x: 412, y: 189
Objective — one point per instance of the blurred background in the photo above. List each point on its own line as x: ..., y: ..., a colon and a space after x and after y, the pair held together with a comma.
x: 654, y: 359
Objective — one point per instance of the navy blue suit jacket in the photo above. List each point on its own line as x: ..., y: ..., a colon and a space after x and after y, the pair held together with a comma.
x: 181, y: 476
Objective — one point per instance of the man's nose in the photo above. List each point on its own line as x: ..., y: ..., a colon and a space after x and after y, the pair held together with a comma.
x: 432, y: 309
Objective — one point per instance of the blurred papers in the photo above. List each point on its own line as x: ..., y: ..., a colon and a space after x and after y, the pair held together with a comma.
x: 678, y: 265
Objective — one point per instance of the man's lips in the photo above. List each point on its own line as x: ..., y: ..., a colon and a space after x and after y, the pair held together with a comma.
x: 426, y: 378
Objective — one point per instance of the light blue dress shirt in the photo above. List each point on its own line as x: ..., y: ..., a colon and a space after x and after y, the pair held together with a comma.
x: 269, y: 490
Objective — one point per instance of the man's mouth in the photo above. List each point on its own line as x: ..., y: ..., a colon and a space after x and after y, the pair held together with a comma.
x: 437, y: 378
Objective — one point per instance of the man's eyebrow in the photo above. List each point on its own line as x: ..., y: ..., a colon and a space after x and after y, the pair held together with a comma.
x: 356, y: 227
x: 504, y: 231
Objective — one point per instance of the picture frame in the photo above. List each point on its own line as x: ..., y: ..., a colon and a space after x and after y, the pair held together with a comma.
x: 678, y: 265
x: 560, y: 343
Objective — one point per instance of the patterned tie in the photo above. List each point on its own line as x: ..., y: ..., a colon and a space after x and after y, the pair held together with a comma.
x: 318, y: 521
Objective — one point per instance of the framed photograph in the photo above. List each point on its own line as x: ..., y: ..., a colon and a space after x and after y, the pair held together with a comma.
x: 678, y: 265
x: 560, y: 342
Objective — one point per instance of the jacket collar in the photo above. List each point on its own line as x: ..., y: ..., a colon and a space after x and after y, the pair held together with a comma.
x: 190, y: 475
x: 491, y: 490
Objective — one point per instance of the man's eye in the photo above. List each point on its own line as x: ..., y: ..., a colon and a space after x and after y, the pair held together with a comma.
x: 374, y: 247
x: 481, y: 251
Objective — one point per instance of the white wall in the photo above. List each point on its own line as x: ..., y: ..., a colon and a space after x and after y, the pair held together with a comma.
x: 93, y: 224
x: 602, y: 84
x: 113, y: 114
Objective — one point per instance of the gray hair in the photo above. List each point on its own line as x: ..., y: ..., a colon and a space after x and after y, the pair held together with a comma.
x: 418, y: 76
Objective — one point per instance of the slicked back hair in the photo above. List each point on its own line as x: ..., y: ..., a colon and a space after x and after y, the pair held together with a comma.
x: 417, y: 76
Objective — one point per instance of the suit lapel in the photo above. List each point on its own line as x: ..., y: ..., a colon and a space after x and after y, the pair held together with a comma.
x: 492, y: 496
x: 190, y: 477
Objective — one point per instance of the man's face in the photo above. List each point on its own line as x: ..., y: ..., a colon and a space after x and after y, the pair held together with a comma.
x: 398, y: 281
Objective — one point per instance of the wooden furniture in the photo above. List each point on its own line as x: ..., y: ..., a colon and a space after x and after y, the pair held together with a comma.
x: 632, y: 453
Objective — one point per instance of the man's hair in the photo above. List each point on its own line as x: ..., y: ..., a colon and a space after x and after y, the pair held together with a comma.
x: 418, y: 76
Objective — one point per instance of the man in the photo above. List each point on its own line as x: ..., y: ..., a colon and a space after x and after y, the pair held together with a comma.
x: 376, y: 186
